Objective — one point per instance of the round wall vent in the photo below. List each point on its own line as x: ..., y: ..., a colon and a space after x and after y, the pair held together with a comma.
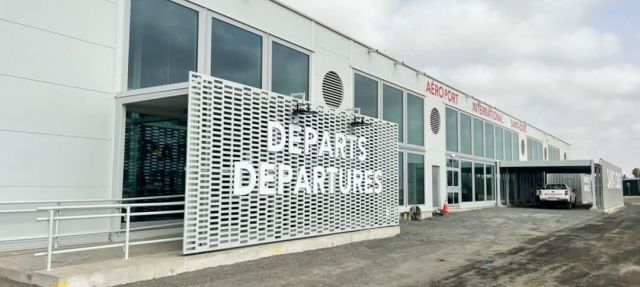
x: 522, y: 147
x: 332, y: 90
x: 545, y: 153
x: 435, y: 121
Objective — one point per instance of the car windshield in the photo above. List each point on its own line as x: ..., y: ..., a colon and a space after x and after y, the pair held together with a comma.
x: 555, y: 186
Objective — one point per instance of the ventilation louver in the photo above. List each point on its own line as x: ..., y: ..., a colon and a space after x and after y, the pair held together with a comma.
x: 435, y: 121
x: 332, y: 90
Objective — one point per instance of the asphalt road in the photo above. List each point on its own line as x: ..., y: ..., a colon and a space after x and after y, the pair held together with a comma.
x: 489, y: 247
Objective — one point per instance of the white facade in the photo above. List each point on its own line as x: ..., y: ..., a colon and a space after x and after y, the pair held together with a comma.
x: 63, y: 81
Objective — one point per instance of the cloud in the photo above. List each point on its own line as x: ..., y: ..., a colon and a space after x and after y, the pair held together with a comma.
x: 546, y: 62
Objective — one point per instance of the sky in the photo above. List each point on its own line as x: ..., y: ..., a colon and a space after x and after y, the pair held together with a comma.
x: 569, y: 67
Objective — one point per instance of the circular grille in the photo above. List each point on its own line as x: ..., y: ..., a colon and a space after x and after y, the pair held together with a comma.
x: 522, y: 147
x: 435, y: 121
x: 332, y: 89
x: 545, y: 153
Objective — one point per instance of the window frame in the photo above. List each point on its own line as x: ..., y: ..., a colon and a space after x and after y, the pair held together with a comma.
x: 123, y: 90
x: 210, y: 15
x: 404, y: 145
x: 270, y: 40
x: 378, y: 92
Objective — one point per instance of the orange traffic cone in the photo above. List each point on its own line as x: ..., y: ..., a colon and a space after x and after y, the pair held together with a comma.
x: 445, y: 208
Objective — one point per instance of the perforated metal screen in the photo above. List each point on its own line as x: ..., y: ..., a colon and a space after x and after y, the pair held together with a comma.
x: 228, y: 124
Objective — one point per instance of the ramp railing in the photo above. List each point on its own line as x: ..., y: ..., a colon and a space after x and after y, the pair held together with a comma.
x: 106, y: 209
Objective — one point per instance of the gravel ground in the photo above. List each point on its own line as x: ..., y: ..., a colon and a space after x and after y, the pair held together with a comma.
x: 488, y: 247
x: 433, y: 251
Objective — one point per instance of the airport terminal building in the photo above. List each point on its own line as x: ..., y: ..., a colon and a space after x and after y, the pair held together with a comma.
x: 213, y: 100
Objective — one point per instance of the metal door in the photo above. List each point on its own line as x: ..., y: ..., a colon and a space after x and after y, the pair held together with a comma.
x: 435, y: 185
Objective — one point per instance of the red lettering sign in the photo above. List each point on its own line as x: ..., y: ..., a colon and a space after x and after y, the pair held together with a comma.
x: 487, y: 112
x: 518, y: 125
x: 442, y: 92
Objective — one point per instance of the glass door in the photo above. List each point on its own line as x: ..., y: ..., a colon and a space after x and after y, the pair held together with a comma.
x: 453, y: 181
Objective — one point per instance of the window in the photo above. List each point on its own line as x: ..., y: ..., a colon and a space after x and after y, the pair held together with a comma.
x: 478, y: 137
x: 163, y: 43
x: 289, y: 71
x: 452, y: 129
x: 499, y: 144
x: 488, y: 131
x: 236, y: 54
x: 392, y: 107
x: 508, y: 155
x: 415, y: 120
x: 465, y: 134
x: 534, y: 149
x: 514, y: 146
x: 415, y: 177
x: 366, y: 95
x: 479, y: 181
x: 401, y: 177
x: 491, y: 188
x: 466, y: 180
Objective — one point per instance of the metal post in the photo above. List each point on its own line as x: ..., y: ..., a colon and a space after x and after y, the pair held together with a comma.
x: 50, y: 240
x: 126, y: 232
x: 57, y: 228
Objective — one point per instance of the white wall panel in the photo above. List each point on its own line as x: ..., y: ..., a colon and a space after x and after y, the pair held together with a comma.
x: 325, y: 61
x: 44, y: 56
x: 331, y: 41
x: 89, y: 20
x: 40, y: 107
x: 42, y: 160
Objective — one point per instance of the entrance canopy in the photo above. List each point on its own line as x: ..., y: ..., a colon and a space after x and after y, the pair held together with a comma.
x: 597, y: 183
x: 556, y: 166
x: 521, y: 179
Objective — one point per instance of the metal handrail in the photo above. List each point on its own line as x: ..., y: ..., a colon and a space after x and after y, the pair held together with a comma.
x: 91, y: 200
x: 110, y: 206
x: 59, y: 207
x: 54, y: 218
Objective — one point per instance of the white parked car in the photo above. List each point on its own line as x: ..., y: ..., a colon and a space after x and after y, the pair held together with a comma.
x: 557, y: 193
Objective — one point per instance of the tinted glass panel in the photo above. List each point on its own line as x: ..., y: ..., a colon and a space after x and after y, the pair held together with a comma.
x: 499, y: 144
x: 236, y: 54
x: 415, y: 120
x: 401, y: 178
x: 479, y: 182
x: 415, y: 173
x: 514, y: 147
x: 154, y: 161
x: 452, y: 130
x: 465, y: 134
x: 366, y: 95
x: 392, y: 107
x: 289, y: 71
x: 491, y: 189
x: 163, y: 43
x: 488, y: 130
x: 478, y: 137
x: 466, y: 179
x: 508, y: 155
